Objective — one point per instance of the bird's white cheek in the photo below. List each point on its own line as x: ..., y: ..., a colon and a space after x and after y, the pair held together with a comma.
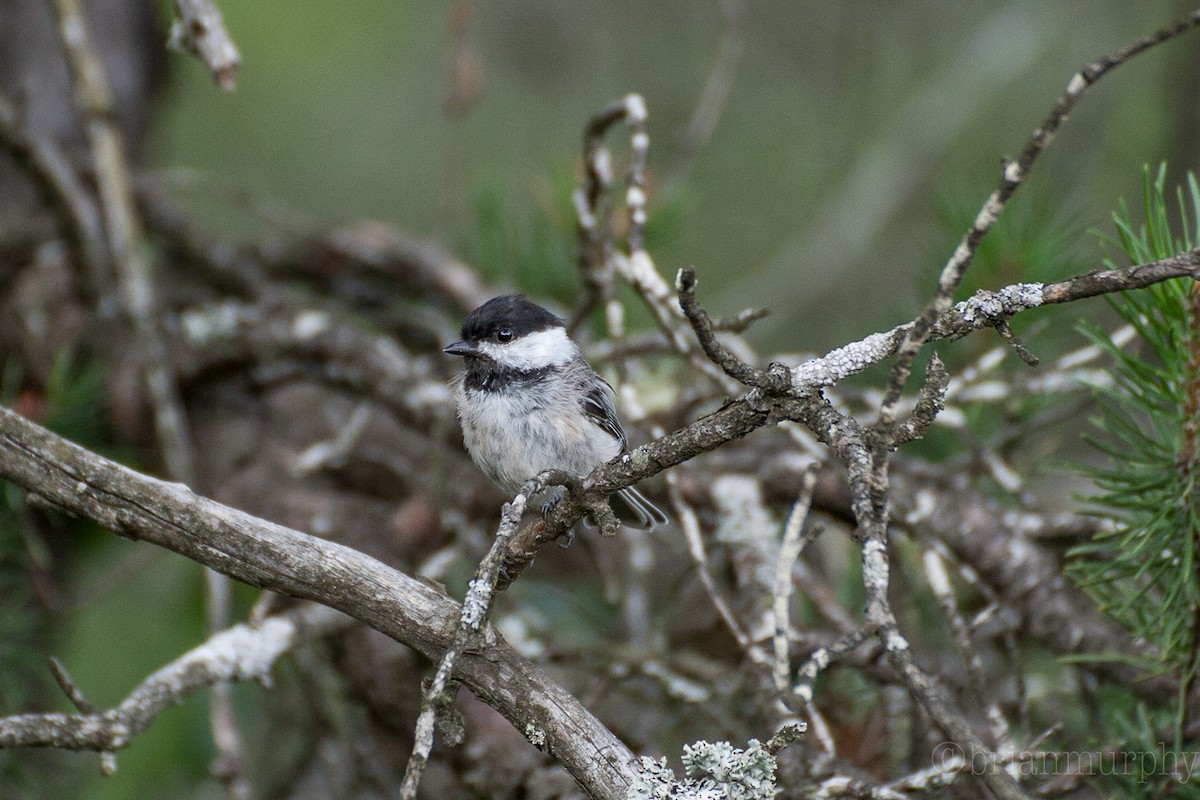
x: 549, y: 348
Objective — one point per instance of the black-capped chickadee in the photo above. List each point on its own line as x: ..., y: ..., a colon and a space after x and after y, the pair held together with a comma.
x: 529, y: 401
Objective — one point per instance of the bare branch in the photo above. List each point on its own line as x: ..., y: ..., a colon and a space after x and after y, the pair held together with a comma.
x: 125, y: 241
x: 475, y: 610
x: 695, y: 544
x: 599, y: 259
x: 685, y: 286
x: 127, y: 250
x: 939, y: 582
x: 239, y: 653
x: 50, y: 169
x: 1013, y: 175
x: 789, y: 552
x: 69, y: 687
x: 716, y: 89
x: 929, y: 404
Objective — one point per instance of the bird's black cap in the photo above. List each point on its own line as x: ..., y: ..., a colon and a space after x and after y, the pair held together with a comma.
x: 513, y: 311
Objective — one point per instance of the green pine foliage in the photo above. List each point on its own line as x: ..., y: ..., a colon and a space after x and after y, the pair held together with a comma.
x: 1142, y: 569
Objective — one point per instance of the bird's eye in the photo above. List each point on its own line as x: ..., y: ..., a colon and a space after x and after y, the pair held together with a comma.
x: 504, y: 335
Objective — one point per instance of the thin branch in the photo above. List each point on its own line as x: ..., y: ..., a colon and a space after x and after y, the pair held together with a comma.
x: 236, y: 654
x: 69, y: 687
x: 930, y: 403
x: 1025, y: 354
x: 695, y: 544
x: 789, y: 552
x: 49, y: 168
x: 1013, y: 174
x: 820, y: 659
x: 708, y: 109
x: 593, y: 211
x: 599, y: 258
x: 475, y: 609
x: 126, y: 244
x: 939, y: 582
x: 702, y: 324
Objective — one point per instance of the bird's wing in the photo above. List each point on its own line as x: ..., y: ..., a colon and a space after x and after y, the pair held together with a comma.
x: 598, y: 407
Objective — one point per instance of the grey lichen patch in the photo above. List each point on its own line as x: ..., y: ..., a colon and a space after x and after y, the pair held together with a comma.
x: 716, y: 771
x: 990, y: 306
x: 639, y: 459
x: 843, y: 362
x: 535, y: 735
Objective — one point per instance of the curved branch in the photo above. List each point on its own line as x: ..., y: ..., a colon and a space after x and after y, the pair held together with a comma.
x: 274, y: 557
x: 800, y: 400
x: 242, y: 652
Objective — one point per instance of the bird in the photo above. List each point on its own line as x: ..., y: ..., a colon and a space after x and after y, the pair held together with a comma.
x: 528, y: 401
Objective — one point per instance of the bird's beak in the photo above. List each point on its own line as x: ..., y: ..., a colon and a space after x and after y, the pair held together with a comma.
x: 461, y: 349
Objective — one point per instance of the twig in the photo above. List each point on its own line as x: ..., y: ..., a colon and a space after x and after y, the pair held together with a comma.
x: 475, y: 609
x: 695, y: 544
x: 238, y: 653
x: 639, y: 557
x: 1006, y: 333
x: 789, y: 552
x: 740, y: 321
x: 599, y: 257
x: 794, y: 541
x: 334, y: 452
x: 1013, y: 174
x: 125, y: 241
x: 685, y: 287
x: 593, y: 211
x: 70, y: 689
x: 1007, y: 635
x: 200, y: 30
x: 939, y: 582
x: 820, y: 659
x: 108, y: 759
x: 987, y: 308
x: 716, y: 89
x: 930, y: 403
x: 50, y: 169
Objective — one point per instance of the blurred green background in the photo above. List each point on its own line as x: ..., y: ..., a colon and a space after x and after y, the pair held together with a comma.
x: 857, y: 142
x: 852, y: 130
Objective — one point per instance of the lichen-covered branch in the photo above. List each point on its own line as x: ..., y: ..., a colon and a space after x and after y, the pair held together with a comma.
x: 1013, y: 175
x: 240, y: 653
